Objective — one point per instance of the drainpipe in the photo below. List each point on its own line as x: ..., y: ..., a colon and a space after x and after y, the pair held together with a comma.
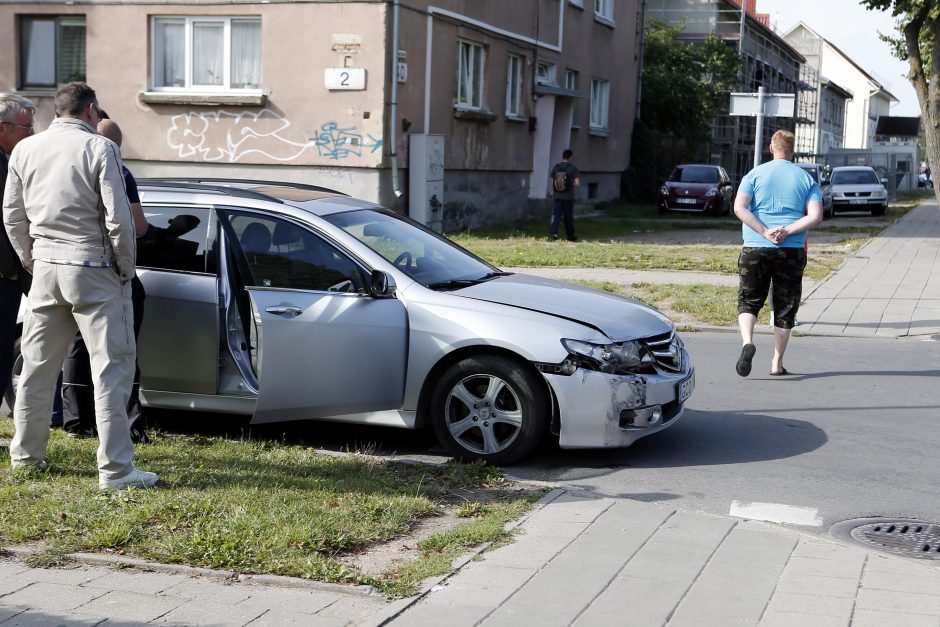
x: 393, y: 111
x: 639, y: 74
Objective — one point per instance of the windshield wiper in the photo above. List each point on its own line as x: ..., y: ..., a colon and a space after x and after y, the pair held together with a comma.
x: 453, y: 284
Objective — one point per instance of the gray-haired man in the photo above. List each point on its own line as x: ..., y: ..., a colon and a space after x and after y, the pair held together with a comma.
x: 68, y: 218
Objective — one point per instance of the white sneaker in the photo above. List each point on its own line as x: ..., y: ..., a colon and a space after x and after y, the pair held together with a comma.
x: 41, y: 465
x: 136, y: 478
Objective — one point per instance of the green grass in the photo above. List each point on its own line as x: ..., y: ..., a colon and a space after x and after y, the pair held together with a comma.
x: 249, y: 506
x: 715, y: 305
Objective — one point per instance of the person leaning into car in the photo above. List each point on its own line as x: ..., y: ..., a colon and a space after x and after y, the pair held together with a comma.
x: 771, y: 201
x: 66, y: 212
x: 16, y: 123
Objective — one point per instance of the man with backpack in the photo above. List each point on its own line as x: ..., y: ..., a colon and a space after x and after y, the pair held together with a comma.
x: 564, y: 179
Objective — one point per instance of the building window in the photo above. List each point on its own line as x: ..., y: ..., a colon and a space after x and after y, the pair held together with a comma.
x: 52, y: 50
x: 571, y: 84
x: 604, y: 9
x: 600, y: 101
x: 206, y: 53
x: 545, y: 73
x: 469, y: 76
x: 514, y: 86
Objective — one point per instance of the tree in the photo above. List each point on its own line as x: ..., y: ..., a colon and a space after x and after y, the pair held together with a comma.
x: 919, y: 26
x: 684, y: 84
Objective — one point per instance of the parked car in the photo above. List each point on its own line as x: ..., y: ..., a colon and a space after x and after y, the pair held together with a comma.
x: 819, y: 175
x: 286, y: 302
x: 858, y: 188
x: 697, y: 188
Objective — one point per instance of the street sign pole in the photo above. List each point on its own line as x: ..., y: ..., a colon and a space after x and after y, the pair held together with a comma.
x: 759, y: 131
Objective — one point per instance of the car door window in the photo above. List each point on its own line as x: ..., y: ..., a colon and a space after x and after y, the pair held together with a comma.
x: 176, y: 238
x: 281, y: 254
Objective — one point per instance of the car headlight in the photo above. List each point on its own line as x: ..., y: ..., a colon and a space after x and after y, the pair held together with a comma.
x: 664, y: 190
x: 622, y: 358
x: 837, y: 195
x: 882, y: 194
x: 712, y: 192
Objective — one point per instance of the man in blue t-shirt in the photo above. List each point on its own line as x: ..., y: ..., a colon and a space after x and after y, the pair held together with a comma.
x: 778, y: 202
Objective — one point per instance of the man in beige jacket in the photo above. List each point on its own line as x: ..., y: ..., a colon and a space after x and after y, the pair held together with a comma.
x: 66, y: 212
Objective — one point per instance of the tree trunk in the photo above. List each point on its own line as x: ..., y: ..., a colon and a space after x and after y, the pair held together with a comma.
x: 928, y: 92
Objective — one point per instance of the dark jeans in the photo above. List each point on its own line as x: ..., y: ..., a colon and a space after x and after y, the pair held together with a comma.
x: 10, y: 293
x: 78, y: 393
x: 563, y: 209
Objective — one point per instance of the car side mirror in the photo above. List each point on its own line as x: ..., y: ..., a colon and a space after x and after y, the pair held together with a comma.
x: 884, y: 182
x: 381, y: 285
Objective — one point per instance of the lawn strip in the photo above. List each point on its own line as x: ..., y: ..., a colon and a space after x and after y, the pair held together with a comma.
x: 245, y: 505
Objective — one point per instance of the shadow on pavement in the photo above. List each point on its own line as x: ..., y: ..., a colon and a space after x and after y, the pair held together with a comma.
x: 701, y: 438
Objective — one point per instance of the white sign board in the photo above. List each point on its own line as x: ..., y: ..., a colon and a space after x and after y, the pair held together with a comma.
x: 775, y: 105
x: 348, y: 78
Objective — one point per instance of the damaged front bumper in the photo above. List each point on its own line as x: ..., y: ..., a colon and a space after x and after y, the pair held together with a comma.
x: 601, y: 410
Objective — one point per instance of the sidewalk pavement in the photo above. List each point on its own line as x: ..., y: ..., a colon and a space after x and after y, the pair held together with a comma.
x: 578, y: 559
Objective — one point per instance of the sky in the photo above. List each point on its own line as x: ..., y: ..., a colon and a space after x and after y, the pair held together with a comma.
x: 854, y: 30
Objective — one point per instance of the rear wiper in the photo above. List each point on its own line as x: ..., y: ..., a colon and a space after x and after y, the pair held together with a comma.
x: 453, y: 284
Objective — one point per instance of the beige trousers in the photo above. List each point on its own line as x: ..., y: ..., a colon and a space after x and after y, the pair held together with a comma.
x: 64, y: 299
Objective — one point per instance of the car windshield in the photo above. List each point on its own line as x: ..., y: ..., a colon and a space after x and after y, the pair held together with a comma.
x: 694, y: 174
x: 423, y: 255
x: 854, y: 177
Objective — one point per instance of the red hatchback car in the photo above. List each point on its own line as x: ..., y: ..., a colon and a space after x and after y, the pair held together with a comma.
x: 697, y: 188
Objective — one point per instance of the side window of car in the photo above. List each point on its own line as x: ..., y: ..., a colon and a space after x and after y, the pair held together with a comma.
x: 282, y: 254
x: 175, y: 239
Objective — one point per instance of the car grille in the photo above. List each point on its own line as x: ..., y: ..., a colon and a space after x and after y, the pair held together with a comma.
x: 666, y: 350
x: 857, y: 194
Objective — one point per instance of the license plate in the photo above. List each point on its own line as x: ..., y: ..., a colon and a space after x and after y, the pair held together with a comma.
x: 684, y: 388
x: 686, y: 201
x: 858, y: 201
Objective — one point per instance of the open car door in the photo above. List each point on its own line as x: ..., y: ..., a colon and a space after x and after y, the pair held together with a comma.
x: 323, y: 346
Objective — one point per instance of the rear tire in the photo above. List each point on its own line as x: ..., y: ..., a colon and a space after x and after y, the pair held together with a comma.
x: 488, y: 407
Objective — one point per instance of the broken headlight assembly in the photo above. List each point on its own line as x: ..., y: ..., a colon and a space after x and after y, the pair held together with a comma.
x: 620, y: 358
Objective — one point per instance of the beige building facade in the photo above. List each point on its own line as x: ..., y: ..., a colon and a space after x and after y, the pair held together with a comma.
x: 321, y: 92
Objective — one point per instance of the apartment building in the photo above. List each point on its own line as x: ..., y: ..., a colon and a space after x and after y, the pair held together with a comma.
x: 323, y: 92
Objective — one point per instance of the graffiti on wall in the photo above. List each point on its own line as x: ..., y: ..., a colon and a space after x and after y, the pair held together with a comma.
x: 232, y: 137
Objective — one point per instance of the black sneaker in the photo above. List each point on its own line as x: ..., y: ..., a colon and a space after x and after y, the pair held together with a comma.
x: 82, y: 433
x: 139, y: 437
x: 552, y: 238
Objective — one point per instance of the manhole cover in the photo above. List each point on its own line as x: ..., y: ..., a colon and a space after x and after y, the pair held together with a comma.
x: 898, y: 536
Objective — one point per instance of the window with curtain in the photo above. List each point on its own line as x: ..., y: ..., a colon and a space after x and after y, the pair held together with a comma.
x: 600, y: 102
x: 469, y: 93
x: 514, y: 86
x: 206, y: 53
x: 52, y: 50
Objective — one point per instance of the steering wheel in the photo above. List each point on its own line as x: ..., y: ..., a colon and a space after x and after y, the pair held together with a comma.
x: 403, y: 260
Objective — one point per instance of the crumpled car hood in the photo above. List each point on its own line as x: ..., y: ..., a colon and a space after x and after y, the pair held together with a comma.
x: 617, y: 317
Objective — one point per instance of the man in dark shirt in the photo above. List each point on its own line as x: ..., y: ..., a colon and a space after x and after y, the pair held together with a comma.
x: 564, y: 178
x: 16, y: 123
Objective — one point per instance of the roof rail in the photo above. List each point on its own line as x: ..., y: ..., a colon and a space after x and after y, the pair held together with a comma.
x: 224, y: 182
x: 221, y: 189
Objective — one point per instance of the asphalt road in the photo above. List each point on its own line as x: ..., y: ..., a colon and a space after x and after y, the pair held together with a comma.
x: 854, y: 432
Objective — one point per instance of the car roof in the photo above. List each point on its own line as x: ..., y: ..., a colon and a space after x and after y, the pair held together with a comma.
x: 853, y: 167
x: 697, y: 165
x: 250, y: 193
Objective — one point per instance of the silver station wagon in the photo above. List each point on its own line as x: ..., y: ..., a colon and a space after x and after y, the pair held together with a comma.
x: 287, y: 302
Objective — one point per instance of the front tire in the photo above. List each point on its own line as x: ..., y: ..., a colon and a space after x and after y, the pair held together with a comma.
x: 488, y: 407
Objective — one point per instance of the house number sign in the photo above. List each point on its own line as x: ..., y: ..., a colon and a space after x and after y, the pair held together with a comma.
x: 348, y: 78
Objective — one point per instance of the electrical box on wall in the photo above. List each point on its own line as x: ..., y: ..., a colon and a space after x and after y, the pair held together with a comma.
x: 426, y: 180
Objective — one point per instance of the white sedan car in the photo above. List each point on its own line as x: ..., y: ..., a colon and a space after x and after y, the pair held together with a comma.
x: 286, y: 302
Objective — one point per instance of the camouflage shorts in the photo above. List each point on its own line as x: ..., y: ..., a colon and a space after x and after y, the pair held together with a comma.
x: 779, y: 269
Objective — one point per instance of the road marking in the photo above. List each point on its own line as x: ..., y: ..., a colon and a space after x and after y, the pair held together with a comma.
x: 777, y: 512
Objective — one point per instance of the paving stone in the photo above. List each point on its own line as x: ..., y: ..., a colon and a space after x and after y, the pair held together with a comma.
x: 51, y: 597
x: 298, y: 600
x: 12, y: 584
x: 812, y: 604
x: 877, y: 618
x: 633, y: 602
x: 794, y: 619
x: 759, y: 546
x: 208, y: 613
x: 194, y: 588
x: 9, y: 612
x: 484, y: 572
x: 819, y: 567
x: 571, y: 508
x: 896, y: 565
x: 891, y: 601
x: 553, y: 529
x: 37, y: 618
x: 927, y: 582
x: 829, y: 551
x: 276, y: 618
x: 128, y: 606
x: 8, y: 568
x: 435, y: 616
x: 801, y: 583
x: 65, y: 576
x: 136, y: 581
x: 529, y: 555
